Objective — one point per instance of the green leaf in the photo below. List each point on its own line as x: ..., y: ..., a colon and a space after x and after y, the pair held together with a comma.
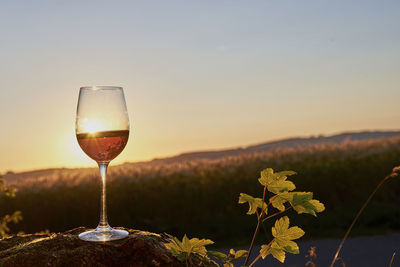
x: 240, y: 254
x: 280, y: 186
x: 319, y: 207
x: 6, y: 219
x: 281, y: 225
x: 276, y: 182
x: 282, y: 231
x: 286, y: 173
x: 280, y: 199
x: 16, y: 216
x: 282, y: 242
x: 7, y: 190
x: 292, y: 250
x: 264, y: 251
x: 181, y: 256
x: 254, y: 203
x: 275, y: 250
x: 188, y: 248
x: 267, y: 176
x: 200, y: 242
x: 301, y: 197
x: 218, y: 255
x: 288, y: 245
x: 174, y: 246
x: 303, y: 203
x: 198, y: 245
x: 231, y: 253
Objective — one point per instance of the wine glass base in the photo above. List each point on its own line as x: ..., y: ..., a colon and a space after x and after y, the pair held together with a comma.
x: 103, y: 236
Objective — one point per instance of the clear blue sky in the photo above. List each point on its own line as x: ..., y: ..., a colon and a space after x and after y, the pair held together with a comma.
x: 196, y: 74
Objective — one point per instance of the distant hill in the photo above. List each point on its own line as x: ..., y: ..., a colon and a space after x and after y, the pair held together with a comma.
x: 284, y: 143
x: 53, y: 173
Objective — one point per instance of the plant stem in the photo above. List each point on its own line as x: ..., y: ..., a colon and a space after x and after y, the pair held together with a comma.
x: 259, y: 221
x: 252, y: 241
x: 263, y: 200
x: 273, y: 215
x: 255, y: 260
x: 392, y: 259
x: 394, y: 173
x: 259, y: 255
x: 263, y: 226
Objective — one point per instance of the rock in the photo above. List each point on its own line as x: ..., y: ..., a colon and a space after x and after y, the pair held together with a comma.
x: 66, y: 249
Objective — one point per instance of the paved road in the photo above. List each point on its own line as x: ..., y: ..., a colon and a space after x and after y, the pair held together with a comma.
x: 370, y: 251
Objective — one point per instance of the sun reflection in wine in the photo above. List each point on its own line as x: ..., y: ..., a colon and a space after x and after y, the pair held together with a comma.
x: 103, y: 146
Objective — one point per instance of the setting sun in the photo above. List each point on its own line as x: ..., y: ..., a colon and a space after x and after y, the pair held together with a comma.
x: 91, y: 125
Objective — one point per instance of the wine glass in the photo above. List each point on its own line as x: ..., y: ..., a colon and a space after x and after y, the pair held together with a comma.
x: 102, y: 130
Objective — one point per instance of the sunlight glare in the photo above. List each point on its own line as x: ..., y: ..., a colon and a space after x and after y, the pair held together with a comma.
x: 92, y: 125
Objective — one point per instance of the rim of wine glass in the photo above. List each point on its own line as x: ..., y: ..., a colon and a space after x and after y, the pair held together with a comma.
x: 101, y: 88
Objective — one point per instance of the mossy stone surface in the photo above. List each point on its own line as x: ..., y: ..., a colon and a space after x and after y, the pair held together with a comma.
x: 140, y: 248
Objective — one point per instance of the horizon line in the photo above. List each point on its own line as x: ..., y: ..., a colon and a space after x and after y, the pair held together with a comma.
x: 205, y: 150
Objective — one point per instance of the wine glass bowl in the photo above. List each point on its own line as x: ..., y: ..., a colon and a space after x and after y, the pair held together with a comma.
x: 102, y: 131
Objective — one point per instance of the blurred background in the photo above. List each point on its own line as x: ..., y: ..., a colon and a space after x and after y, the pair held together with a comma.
x: 216, y: 92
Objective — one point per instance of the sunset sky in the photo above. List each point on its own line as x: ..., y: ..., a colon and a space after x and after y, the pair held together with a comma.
x: 197, y: 75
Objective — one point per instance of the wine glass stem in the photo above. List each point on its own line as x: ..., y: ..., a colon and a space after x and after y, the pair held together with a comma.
x: 103, y: 224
